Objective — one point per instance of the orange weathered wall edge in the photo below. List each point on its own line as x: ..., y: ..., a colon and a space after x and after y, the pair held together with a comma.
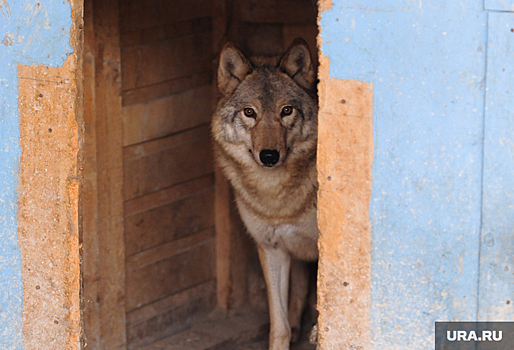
x: 345, y: 157
x: 51, y: 124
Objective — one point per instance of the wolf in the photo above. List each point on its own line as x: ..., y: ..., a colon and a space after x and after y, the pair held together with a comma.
x: 265, y: 138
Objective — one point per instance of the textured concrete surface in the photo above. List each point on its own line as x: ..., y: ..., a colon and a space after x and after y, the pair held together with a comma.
x: 441, y: 198
x: 39, y: 175
x: 345, y: 156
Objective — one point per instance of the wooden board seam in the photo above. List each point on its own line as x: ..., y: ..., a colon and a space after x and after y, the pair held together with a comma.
x: 132, y: 202
x: 167, y: 250
x: 163, y: 138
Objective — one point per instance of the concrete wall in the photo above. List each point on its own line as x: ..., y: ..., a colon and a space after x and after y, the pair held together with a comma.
x: 423, y: 89
x: 40, y: 118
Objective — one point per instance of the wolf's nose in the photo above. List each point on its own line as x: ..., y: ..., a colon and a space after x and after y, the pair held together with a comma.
x: 269, y: 157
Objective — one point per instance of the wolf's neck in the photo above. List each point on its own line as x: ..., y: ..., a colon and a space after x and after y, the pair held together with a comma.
x: 276, y: 192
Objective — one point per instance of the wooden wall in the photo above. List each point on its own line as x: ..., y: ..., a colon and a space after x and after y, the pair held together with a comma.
x: 153, y: 261
x: 103, y: 263
x: 168, y: 182
x: 267, y: 27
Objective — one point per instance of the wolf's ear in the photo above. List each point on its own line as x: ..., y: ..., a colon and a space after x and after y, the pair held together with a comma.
x: 297, y: 63
x: 233, y: 68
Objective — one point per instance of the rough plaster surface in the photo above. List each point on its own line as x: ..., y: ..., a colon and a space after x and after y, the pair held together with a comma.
x: 345, y: 156
x: 441, y: 85
x: 35, y: 33
x: 49, y: 180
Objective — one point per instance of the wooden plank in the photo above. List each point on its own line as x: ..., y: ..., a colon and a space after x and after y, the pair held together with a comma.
x: 167, y: 196
x: 165, y: 60
x: 251, y: 35
x: 496, y: 283
x: 222, y: 189
x: 242, y: 252
x: 166, y: 88
x: 90, y: 251
x: 147, y: 312
x: 134, y: 152
x: 240, y: 331
x: 137, y: 15
x: 181, y: 160
x: 167, y: 250
x: 223, y: 238
x: 166, y: 277
x: 169, y: 222
x: 233, y: 249
x: 161, y: 117
x: 111, y: 259
x: 277, y: 11
x: 173, y: 321
x: 166, y: 31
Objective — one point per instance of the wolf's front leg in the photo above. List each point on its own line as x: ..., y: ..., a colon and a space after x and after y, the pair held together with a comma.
x: 275, y: 265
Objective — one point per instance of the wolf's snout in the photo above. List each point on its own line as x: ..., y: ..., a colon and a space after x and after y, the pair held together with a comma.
x: 269, y: 157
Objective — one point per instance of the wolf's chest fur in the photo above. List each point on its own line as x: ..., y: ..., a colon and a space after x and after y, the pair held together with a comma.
x: 298, y: 237
x: 278, y: 206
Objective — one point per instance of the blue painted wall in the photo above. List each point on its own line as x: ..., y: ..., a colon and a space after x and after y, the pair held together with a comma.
x: 31, y: 32
x: 428, y: 61
x: 496, y: 284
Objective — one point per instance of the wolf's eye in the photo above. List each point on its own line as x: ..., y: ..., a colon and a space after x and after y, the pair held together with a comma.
x: 287, y: 110
x: 249, y: 112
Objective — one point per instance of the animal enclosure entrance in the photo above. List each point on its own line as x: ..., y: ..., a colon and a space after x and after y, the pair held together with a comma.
x: 163, y: 245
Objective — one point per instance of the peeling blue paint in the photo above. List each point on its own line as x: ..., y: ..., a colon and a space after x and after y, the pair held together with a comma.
x: 427, y: 61
x: 31, y: 33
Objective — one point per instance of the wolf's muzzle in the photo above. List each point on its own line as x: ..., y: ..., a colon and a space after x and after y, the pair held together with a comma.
x: 269, y: 157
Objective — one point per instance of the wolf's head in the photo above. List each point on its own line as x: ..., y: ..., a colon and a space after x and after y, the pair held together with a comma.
x: 267, y: 114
